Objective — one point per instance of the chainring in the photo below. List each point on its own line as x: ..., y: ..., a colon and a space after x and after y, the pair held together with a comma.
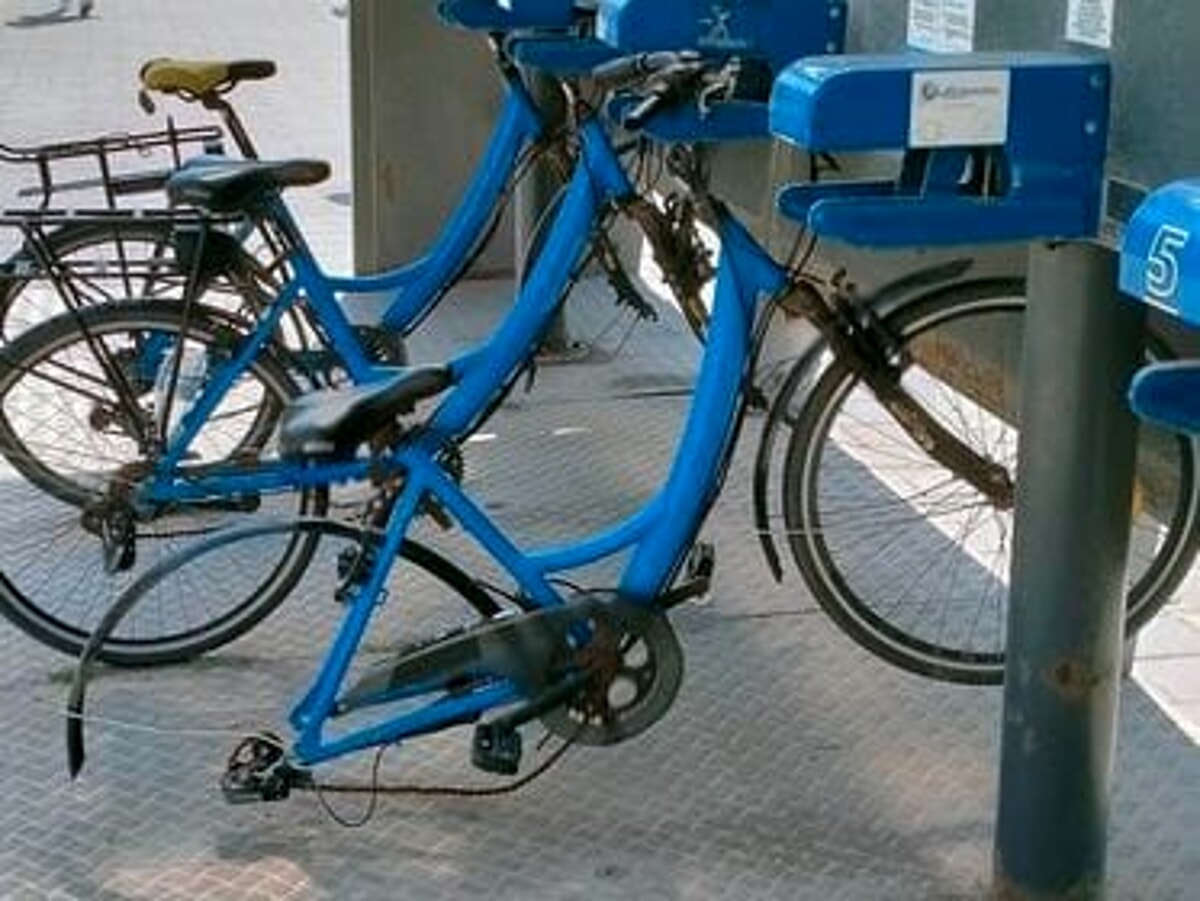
x: 635, y: 664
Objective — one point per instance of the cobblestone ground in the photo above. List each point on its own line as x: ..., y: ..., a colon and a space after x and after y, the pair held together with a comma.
x: 792, y: 765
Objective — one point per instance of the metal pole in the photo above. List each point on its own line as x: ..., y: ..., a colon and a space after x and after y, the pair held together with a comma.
x: 537, y: 191
x: 1074, y: 511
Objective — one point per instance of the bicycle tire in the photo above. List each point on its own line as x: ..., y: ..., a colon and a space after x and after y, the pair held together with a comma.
x: 53, y: 579
x: 142, y: 241
x: 428, y: 561
x: 32, y: 361
x: 833, y: 480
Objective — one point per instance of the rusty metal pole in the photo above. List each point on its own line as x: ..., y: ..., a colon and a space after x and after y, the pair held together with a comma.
x: 1065, y: 625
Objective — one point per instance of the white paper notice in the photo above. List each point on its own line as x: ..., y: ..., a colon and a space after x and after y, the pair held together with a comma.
x: 1090, y: 22
x: 942, y: 26
x: 959, y: 109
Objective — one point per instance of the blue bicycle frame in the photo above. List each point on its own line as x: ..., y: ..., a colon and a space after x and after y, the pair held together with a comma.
x: 417, y: 288
x: 659, y: 535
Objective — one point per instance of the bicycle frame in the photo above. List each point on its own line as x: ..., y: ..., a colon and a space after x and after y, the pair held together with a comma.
x: 483, y: 383
x: 658, y: 535
x: 419, y: 284
x: 416, y: 287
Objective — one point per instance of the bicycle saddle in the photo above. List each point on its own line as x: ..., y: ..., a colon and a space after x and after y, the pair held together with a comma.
x: 200, y: 77
x: 334, y: 422
x: 221, y: 185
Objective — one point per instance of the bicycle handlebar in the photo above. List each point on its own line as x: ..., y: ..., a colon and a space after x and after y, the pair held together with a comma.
x: 667, y: 79
x: 627, y: 70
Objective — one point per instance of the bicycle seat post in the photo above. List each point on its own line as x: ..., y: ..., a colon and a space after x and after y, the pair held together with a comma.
x: 241, y: 137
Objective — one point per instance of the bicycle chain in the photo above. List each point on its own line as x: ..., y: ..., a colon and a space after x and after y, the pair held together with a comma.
x: 446, y: 791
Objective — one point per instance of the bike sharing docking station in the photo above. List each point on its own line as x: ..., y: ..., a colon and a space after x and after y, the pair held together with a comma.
x: 763, y: 35
x: 1160, y: 265
x: 1043, y: 122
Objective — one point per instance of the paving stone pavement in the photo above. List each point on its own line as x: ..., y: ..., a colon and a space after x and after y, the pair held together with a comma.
x: 792, y: 766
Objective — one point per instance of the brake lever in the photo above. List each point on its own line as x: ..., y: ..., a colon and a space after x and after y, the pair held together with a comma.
x: 721, y: 88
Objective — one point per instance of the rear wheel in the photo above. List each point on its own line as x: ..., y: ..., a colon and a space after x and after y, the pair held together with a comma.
x: 106, y: 262
x: 905, y: 555
x: 70, y: 438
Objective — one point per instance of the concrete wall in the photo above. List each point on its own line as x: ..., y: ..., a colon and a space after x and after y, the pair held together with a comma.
x: 423, y: 101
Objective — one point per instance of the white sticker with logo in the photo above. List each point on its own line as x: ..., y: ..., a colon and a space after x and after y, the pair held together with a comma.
x: 1091, y: 22
x: 959, y: 109
x: 716, y: 29
x: 942, y: 26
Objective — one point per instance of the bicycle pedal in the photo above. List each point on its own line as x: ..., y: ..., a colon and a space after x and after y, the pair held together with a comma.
x: 257, y: 771
x: 496, y: 749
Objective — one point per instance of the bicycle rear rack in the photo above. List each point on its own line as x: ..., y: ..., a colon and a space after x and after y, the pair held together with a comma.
x: 117, y: 165
x: 109, y: 272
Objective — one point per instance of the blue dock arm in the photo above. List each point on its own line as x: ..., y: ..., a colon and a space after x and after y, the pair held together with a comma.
x: 774, y: 31
x: 995, y: 147
x: 493, y: 15
x: 1160, y: 266
x: 1168, y: 395
x: 764, y: 35
x: 1160, y: 252
x: 564, y: 55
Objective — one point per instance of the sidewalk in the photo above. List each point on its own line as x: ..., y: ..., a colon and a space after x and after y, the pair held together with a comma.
x: 793, y: 765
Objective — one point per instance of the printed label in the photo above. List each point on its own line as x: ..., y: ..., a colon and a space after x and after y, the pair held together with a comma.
x: 1163, y: 265
x: 959, y: 109
x: 942, y: 26
x: 1091, y: 22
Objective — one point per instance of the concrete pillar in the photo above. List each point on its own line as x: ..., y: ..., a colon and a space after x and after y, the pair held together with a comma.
x: 423, y: 101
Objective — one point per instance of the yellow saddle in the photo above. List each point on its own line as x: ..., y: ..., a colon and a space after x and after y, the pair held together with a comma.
x: 200, y: 78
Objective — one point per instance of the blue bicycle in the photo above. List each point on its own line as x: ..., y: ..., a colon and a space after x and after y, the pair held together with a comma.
x: 96, y: 401
x: 599, y: 669
x: 596, y: 665
x: 914, y: 567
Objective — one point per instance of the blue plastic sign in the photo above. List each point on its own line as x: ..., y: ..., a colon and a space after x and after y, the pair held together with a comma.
x: 1160, y: 253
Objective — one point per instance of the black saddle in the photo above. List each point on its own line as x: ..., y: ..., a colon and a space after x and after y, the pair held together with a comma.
x: 222, y: 185
x: 333, y: 423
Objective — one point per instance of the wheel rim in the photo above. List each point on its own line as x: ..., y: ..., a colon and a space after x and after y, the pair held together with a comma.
x: 55, y: 584
x: 875, y: 534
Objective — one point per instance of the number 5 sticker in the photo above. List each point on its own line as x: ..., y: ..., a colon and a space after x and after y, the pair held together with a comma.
x: 1162, y: 265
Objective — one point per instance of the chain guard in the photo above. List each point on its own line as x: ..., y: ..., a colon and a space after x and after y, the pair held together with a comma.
x: 628, y: 656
